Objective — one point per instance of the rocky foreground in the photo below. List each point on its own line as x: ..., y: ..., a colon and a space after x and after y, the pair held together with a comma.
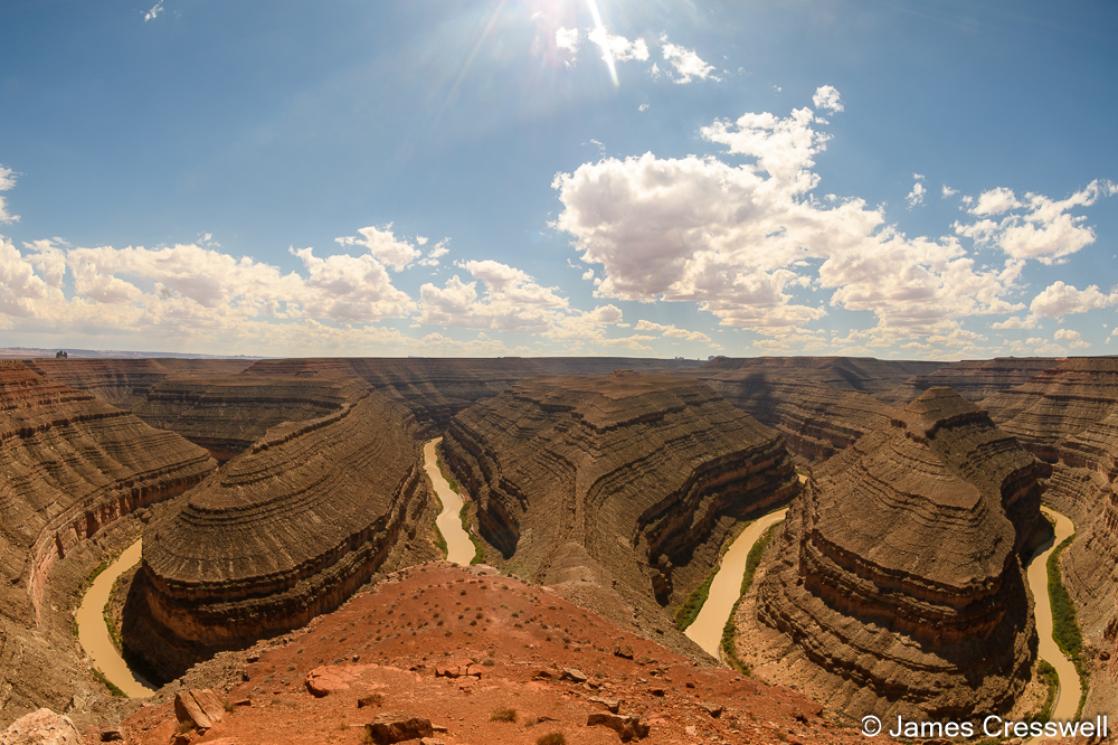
x: 470, y: 656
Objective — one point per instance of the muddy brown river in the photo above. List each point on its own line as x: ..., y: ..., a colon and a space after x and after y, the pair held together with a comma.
x: 459, y: 547
x: 93, y: 634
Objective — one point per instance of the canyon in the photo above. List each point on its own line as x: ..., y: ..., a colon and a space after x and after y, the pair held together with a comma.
x: 284, y: 503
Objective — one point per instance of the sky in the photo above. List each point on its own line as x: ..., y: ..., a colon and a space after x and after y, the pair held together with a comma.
x: 560, y: 177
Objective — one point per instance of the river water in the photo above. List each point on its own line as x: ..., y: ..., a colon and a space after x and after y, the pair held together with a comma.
x: 725, y: 589
x: 459, y: 547
x: 1067, y: 699
x: 93, y: 634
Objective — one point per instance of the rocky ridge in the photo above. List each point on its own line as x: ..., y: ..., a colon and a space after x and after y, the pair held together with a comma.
x: 896, y: 586
x: 280, y: 534
x: 71, y: 466
x: 622, y: 485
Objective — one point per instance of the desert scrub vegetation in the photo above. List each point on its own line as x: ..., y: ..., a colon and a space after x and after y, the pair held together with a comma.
x: 503, y: 715
x: 690, y: 608
x: 1065, y: 625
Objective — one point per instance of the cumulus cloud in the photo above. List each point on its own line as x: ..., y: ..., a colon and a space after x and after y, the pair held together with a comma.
x: 567, y: 41
x: 189, y: 291
x: 497, y: 297
x: 671, y: 331
x: 686, y: 64
x: 153, y: 12
x: 617, y: 47
x: 946, y: 192
x: 7, y: 183
x: 827, y: 98
x: 383, y: 244
x: 915, y: 196
x: 1071, y: 338
x: 750, y: 242
x: 1058, y: 300
x: 1037, y: 228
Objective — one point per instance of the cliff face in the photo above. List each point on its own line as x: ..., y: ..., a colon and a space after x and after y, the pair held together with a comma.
x: 227, y: 415
x: 1059, y: 402
x: 124, y: 382
x: 69, y: 465
x: 976, y: 380
x: 897, y: 581
x: 436, y: 389
x: 280, y: 534
x: 627, y: 481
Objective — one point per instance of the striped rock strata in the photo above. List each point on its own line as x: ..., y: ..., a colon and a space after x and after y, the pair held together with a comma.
x: 628, y: 480
x: 280, y: 534
x: 897, y: 584
x: 69, y: 465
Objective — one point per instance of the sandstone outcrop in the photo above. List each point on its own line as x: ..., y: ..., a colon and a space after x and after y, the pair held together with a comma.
x: 896, y: 585
x: 42, y: 727
x: 280, y: 534
x: 70, y: 465
x: 629, y: 480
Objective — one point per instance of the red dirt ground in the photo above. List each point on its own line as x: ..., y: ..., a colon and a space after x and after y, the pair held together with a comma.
x: 519, y: 639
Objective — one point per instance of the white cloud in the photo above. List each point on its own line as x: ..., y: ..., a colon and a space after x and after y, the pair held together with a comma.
x: 1060, y: 299
x: 383, y: 244
x: 617, y: 47
x: 567, y: 41
x: 995, y: 202
x: 7, y: 183
x: 751, y: 244
x: 1039, y: 228
x: 153, y: 12
x: 1071, y: 338
x: 642, y: 108
x: 502, y: 298
x: 686, y: 63
x: 946, y: 192
x: 827, y: 98
x: 434, y: 254
x: 672, y: 331
x: 915, y: 197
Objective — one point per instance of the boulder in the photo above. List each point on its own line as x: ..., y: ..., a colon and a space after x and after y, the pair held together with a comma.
x: 390, y: 728
x: 198, y: 708
x: 42, y: 727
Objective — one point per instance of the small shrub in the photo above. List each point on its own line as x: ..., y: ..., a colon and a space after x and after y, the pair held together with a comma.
x: 503, y: 715
x: 553, y: 738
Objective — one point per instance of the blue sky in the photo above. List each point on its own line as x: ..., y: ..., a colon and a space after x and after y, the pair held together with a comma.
x: 904, y: 180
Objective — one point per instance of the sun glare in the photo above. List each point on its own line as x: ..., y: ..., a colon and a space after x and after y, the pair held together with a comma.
x: 600, y: 29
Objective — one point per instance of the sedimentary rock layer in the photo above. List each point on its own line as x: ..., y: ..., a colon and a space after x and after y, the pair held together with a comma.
x: 124, y: 382
x: 69, y: 465
x: 976, y: 380
x: 897, y: 576
x: 630, y: 479
x: 1059, y: 402
x: 817, y: 419
x: 436, y: 389
x: 279, y: 534
x: 226, y: 415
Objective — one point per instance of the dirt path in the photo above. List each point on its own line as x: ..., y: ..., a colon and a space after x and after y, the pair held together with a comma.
x: 1067, y: 698
x: 459, y: 547
x: 93, y: 634
x: 706, y: 630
